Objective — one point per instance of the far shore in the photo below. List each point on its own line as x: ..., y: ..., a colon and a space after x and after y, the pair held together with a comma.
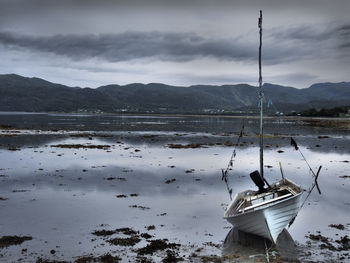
x: 246, y: 116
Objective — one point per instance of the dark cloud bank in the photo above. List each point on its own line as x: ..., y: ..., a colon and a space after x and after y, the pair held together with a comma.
x: 131, y: 45
x: 279, y: 46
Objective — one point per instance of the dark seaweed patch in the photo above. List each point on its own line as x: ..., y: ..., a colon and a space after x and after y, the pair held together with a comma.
x: 128, y: 241
x: 127, y: 231
x: 171, y: 257
x: 337, y: 226
x: 107, y: 258
x: 170, y: 181
x: 151, y: 227
x: 155, y: 245
x: 140, y: 207
x: 7, y: 241
x: 41, y: 260
x: 185, y: 146
x: 77, y: 146
x: 146, y: 236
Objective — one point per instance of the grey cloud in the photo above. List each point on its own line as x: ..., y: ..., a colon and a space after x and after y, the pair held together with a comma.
x: 152, y: 45
x: 131, y: 45
x: 300, y: 76
x: 326, y: 41
x: 218, y: 79
x: 345, y: 45
x: 344, y: 37
x: 303, y: 33
x: 344, y: 30
x: 314, y: 34
x: 298, y: 79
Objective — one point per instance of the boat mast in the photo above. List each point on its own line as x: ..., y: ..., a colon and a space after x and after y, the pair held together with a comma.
x: 261, y: 97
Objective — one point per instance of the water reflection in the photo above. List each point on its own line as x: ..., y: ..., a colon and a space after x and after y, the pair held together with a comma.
x: 252, y: 248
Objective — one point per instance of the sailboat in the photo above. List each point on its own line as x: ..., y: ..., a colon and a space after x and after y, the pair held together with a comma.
x: 269, y: 210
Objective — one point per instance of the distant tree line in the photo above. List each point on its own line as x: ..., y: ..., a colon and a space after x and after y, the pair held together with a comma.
x: 332, y: 112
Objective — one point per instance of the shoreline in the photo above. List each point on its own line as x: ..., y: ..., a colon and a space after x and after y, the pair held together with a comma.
x: 175, y: 115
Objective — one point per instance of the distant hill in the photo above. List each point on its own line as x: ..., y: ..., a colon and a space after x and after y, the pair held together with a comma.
x: 19, y: 93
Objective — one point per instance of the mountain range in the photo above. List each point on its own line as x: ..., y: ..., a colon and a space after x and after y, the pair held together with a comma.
x: 18, y: 93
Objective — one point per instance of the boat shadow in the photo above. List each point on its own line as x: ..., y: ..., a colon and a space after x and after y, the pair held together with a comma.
x: 245, y: 247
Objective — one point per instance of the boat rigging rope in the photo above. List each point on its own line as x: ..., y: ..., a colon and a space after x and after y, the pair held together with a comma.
x: 230, y: 163
x: 314, y: 176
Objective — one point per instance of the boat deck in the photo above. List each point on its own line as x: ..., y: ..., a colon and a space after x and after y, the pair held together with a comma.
x: 249, y: 200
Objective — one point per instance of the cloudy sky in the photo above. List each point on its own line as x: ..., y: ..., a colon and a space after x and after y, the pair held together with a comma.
x: 91, y: 43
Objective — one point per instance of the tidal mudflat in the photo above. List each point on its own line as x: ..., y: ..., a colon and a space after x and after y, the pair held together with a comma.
x: 109, y: 188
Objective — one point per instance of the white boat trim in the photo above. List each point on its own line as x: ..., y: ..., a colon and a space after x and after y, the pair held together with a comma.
x: 266, y: 202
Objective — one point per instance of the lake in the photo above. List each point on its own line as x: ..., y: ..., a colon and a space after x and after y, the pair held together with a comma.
x: 64, y: 177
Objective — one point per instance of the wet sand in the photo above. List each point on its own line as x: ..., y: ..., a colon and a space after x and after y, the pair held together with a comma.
x: 150, y: 194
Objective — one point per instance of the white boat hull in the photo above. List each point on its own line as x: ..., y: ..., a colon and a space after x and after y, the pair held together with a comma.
x: 268, y: 221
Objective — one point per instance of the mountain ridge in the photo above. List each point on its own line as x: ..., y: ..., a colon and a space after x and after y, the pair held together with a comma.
x: 18, y: 93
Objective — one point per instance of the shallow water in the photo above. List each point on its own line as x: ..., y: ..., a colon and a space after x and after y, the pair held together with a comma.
x: 60, y: 196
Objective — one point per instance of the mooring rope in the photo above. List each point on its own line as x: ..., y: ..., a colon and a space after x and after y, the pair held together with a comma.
x: 230, y: 163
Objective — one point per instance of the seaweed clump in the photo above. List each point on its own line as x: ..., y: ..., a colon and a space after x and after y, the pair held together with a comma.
x: 155, y: 245
x: 107, y: 258
x: 7, y: 241
x: 128, y: 241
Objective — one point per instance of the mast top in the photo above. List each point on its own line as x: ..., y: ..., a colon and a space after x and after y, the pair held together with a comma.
x: 260, y: 20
